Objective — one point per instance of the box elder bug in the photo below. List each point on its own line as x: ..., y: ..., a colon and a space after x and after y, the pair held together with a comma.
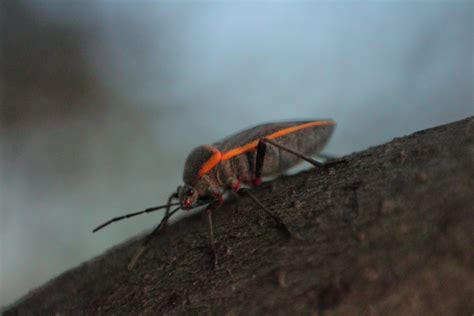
x: 241, y: 159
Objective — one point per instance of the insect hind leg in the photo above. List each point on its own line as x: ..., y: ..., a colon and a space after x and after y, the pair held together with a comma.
x: 300, y: 155
x: 331, y: 160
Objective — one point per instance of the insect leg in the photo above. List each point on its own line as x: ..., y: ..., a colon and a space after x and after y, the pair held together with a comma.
x: 172, y: 196
x: 302, y: 156
x: 150, y: 236
x: 281, y: 224
x: 261, y: 150
x: 210, y: 208
x: 294, y: 152
x: 330, y: 160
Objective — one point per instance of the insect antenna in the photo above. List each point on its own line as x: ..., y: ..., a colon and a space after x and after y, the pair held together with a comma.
x: 119, y: 218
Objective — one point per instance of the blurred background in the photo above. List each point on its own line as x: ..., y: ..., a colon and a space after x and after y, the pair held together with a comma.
x: 101, y: 101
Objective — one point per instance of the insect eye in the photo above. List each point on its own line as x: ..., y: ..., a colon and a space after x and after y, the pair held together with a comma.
x: 190, y: 191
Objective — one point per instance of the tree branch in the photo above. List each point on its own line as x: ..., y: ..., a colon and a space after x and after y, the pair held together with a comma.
x: 390, y: 231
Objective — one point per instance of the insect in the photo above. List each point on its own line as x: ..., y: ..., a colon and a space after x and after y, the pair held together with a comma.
x: 236, y: 162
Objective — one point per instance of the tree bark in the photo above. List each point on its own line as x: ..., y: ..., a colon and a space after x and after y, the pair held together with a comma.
x: 390, y: 231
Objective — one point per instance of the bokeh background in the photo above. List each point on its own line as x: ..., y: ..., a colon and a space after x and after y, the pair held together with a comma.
x: 101, y: 101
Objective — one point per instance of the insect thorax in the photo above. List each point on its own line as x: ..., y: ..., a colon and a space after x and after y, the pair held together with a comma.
x: 198, y: 158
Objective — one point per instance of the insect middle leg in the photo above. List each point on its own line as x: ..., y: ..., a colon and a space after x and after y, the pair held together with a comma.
x: 257, y: 179
x: 259, y: 163
x: 280, y: 223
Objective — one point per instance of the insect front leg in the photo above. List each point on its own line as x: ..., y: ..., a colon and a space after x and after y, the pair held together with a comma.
x: 171, y: 197
x: 149, y: 237
x: 212, y: 244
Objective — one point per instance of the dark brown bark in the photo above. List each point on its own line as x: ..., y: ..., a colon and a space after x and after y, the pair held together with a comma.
x: 388, y: 232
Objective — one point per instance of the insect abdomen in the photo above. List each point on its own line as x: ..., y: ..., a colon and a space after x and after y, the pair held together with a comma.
x: 308, y: 141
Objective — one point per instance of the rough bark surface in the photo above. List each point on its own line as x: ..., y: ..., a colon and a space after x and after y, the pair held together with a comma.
x: 388, y: 232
